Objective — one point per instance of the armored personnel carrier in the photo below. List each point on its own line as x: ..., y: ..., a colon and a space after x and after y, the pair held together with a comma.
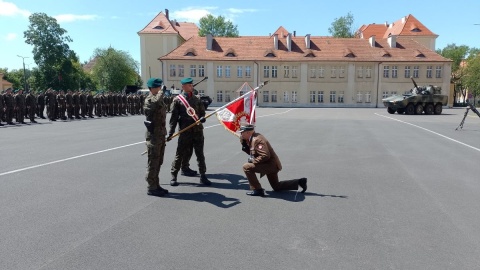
x: 421, y: 99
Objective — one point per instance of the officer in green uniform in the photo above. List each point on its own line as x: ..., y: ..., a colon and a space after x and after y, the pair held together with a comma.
x: 186, y: 110
x: 264, y: 160
x: 155, y: 113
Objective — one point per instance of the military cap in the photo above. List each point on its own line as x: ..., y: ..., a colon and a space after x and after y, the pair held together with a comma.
x: 186, y: 81
x: 247, y: 128
x: 154, y: 82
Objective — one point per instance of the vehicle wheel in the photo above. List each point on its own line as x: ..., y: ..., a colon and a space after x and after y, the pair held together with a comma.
x: 438, y: 109
x: 400, y: 111
x: 410, y: 109
x: 429, y: 109
x: 390, y: 110
x: 419, y: 109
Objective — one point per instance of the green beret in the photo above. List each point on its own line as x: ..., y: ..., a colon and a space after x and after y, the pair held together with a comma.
x: 154, y: 82
x: 247, y: 128
x: 186, y: 81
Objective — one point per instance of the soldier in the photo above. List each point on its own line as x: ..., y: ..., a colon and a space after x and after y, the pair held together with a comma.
x: 83, y: 104
x: 20, y: 107
x: 264, y: 160
x: 2, y: 109
x: 69, y: 104
x: 40, y: 105
x: 187, y: 109
x: 31, y: 102
x: 62, y: 105
x: 155, y: 112
x: 9, y: 106
x: 50, y: 99
x: 141, y: 100
x: 90, y: 104
x: 76, y: 104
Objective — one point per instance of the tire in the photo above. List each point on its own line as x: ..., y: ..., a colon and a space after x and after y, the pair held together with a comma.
x: 410, y: 109
x: 418, y: 109
x: 400, y: 110
x: 390, y: 110
x: 438, y: 109
x: 429, y: 109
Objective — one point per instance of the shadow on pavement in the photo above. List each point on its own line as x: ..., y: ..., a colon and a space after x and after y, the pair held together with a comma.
x: 216, y: 199
x: 294, y: 196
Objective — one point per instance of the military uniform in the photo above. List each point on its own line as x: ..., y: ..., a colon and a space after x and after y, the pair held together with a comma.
x: 155, y: 112
x: 9, y: 107
x: 62, y: 105
x: 264, y: 160
x: 90, y: 104
x: 20, y: 108
x: 40, y: 105
x: 192, y: 137
x: 31, y: 102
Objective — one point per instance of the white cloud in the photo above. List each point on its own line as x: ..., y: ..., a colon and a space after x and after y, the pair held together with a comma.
x: 240, y: 11
x: 72, y: 17
x: 10, y: 9
x: 11, y: 36
x: 191, y: 14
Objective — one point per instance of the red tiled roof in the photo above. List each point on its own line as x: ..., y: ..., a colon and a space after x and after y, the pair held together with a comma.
x: 251, y: 48
x: 377, y: 30
x: 406, y: 26
x: 281, y: 32
x: 161, y: 24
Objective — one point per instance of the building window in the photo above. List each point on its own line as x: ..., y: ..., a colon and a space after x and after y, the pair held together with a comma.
x: 321, y: 72
x: 294, y: 71
x: 368, y: 97
x: 227, y: 96
x: 312, y: 72
x: 181, y: 71
x: 274, y: 71
x: 332, y: 96
x: 286, y: 71
x: 394, y: 71
x: 386, y: 71
x: 313, y: 94
x: 219, y: 71
x: 368, y: 72
x: 266, y: 71
x: 320, y: 97
x: 341, y: 72
x: 201, y: 70
x: 173, y: 71
x: 294, y: 96
x: 193, y: 71
x: 340, y: 96
x: 239, y: 72
x: 265, y: 96
x: 248, y: 72
x: 219, y: 96
x: 385, y: 94
x: 333, y: 72
x: 415, y: 71
x: 407, y: 71
x: 360, y: 72
x: 274, y: 96
x: 359, y: 97
x: 201, y: 92
x: 429, y: 71
x: 227, y: 71
x: 438, y: 72
x: 394, y: 93
x: 285, y: 97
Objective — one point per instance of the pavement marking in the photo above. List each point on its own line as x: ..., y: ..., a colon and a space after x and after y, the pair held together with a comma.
x: 438, y: 134
x: 102, y: 151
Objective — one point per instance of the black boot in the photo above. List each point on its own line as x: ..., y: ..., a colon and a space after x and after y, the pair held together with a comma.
x: 188, y: 172
x: 257, y: 192
x: 159, y: 192
x: 302, y: 182
x: 204, y: 180
x: 173, y: 182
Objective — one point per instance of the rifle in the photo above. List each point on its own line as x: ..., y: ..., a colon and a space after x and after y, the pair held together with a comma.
x: 470, y: 107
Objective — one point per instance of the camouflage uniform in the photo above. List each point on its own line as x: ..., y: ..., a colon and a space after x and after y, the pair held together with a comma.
x: 20, y: 108
x: 193, y: 137
x: 40, y: 105
x: 69, y: 104
x: 31, y: 102
x: 62, y: 105
x: 2, y: 109
x: 155, y: 112
x: 90, y: 104
x: 9, y: 107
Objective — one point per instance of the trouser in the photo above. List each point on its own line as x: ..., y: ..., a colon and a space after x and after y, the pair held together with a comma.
x: 20, y: 115
x: 186, y: 142
x: 9, y: 115
x: 155, y: 161
x: 251, y: 169
x: 31, y: 114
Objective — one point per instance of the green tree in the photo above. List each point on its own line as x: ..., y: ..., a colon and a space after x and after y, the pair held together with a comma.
x: 342, y: 27
x: 15, y: 76
x: 114, y: 69
x: 217, y: 26
x: 457, y: 54
x: 471, y: 79
x: 50, y: 49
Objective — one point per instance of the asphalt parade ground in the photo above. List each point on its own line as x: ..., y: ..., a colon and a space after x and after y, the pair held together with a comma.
x: 384, y: 192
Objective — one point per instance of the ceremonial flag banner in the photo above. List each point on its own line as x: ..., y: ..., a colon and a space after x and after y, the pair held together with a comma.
x: 241, y: 111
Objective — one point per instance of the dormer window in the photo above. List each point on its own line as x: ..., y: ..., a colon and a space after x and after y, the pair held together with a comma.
x: 309, y: 53
x: 348, y: 53
x: 386, y: 54
x: 269, y: 53
x: 230, y: 53
x: 190, y: 52
x: 419, y: 54
x: 159, y: 26
x: 415, y: 29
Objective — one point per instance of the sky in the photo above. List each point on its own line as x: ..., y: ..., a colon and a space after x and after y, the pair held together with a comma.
x: 100, y: 23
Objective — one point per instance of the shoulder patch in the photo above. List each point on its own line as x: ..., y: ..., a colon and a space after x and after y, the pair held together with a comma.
x: 260, y: 146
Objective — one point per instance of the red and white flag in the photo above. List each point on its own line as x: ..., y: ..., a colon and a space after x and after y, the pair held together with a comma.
x: 241, y: 111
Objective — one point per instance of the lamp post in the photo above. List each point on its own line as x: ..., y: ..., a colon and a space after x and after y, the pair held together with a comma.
x: 24, y: 74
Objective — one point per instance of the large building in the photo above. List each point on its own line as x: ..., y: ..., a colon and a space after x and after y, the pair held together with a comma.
x: 309, y: 71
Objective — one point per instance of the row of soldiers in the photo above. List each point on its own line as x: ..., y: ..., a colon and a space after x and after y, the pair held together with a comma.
x: 61, y: 105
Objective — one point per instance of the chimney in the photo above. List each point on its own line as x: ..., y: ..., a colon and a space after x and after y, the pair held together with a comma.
x: 386, y: 23
x: 392, y: 41
x: 166, y: 14
x: 371, y: 40
x: 289, y: 42
x: 307, y: 41
x: 404, y: 19
x: 275, y: 41
x: 294, y: 33
x: 209, y: 42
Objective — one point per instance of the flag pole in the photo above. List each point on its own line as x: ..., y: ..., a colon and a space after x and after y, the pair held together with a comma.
x: 217, y: 110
